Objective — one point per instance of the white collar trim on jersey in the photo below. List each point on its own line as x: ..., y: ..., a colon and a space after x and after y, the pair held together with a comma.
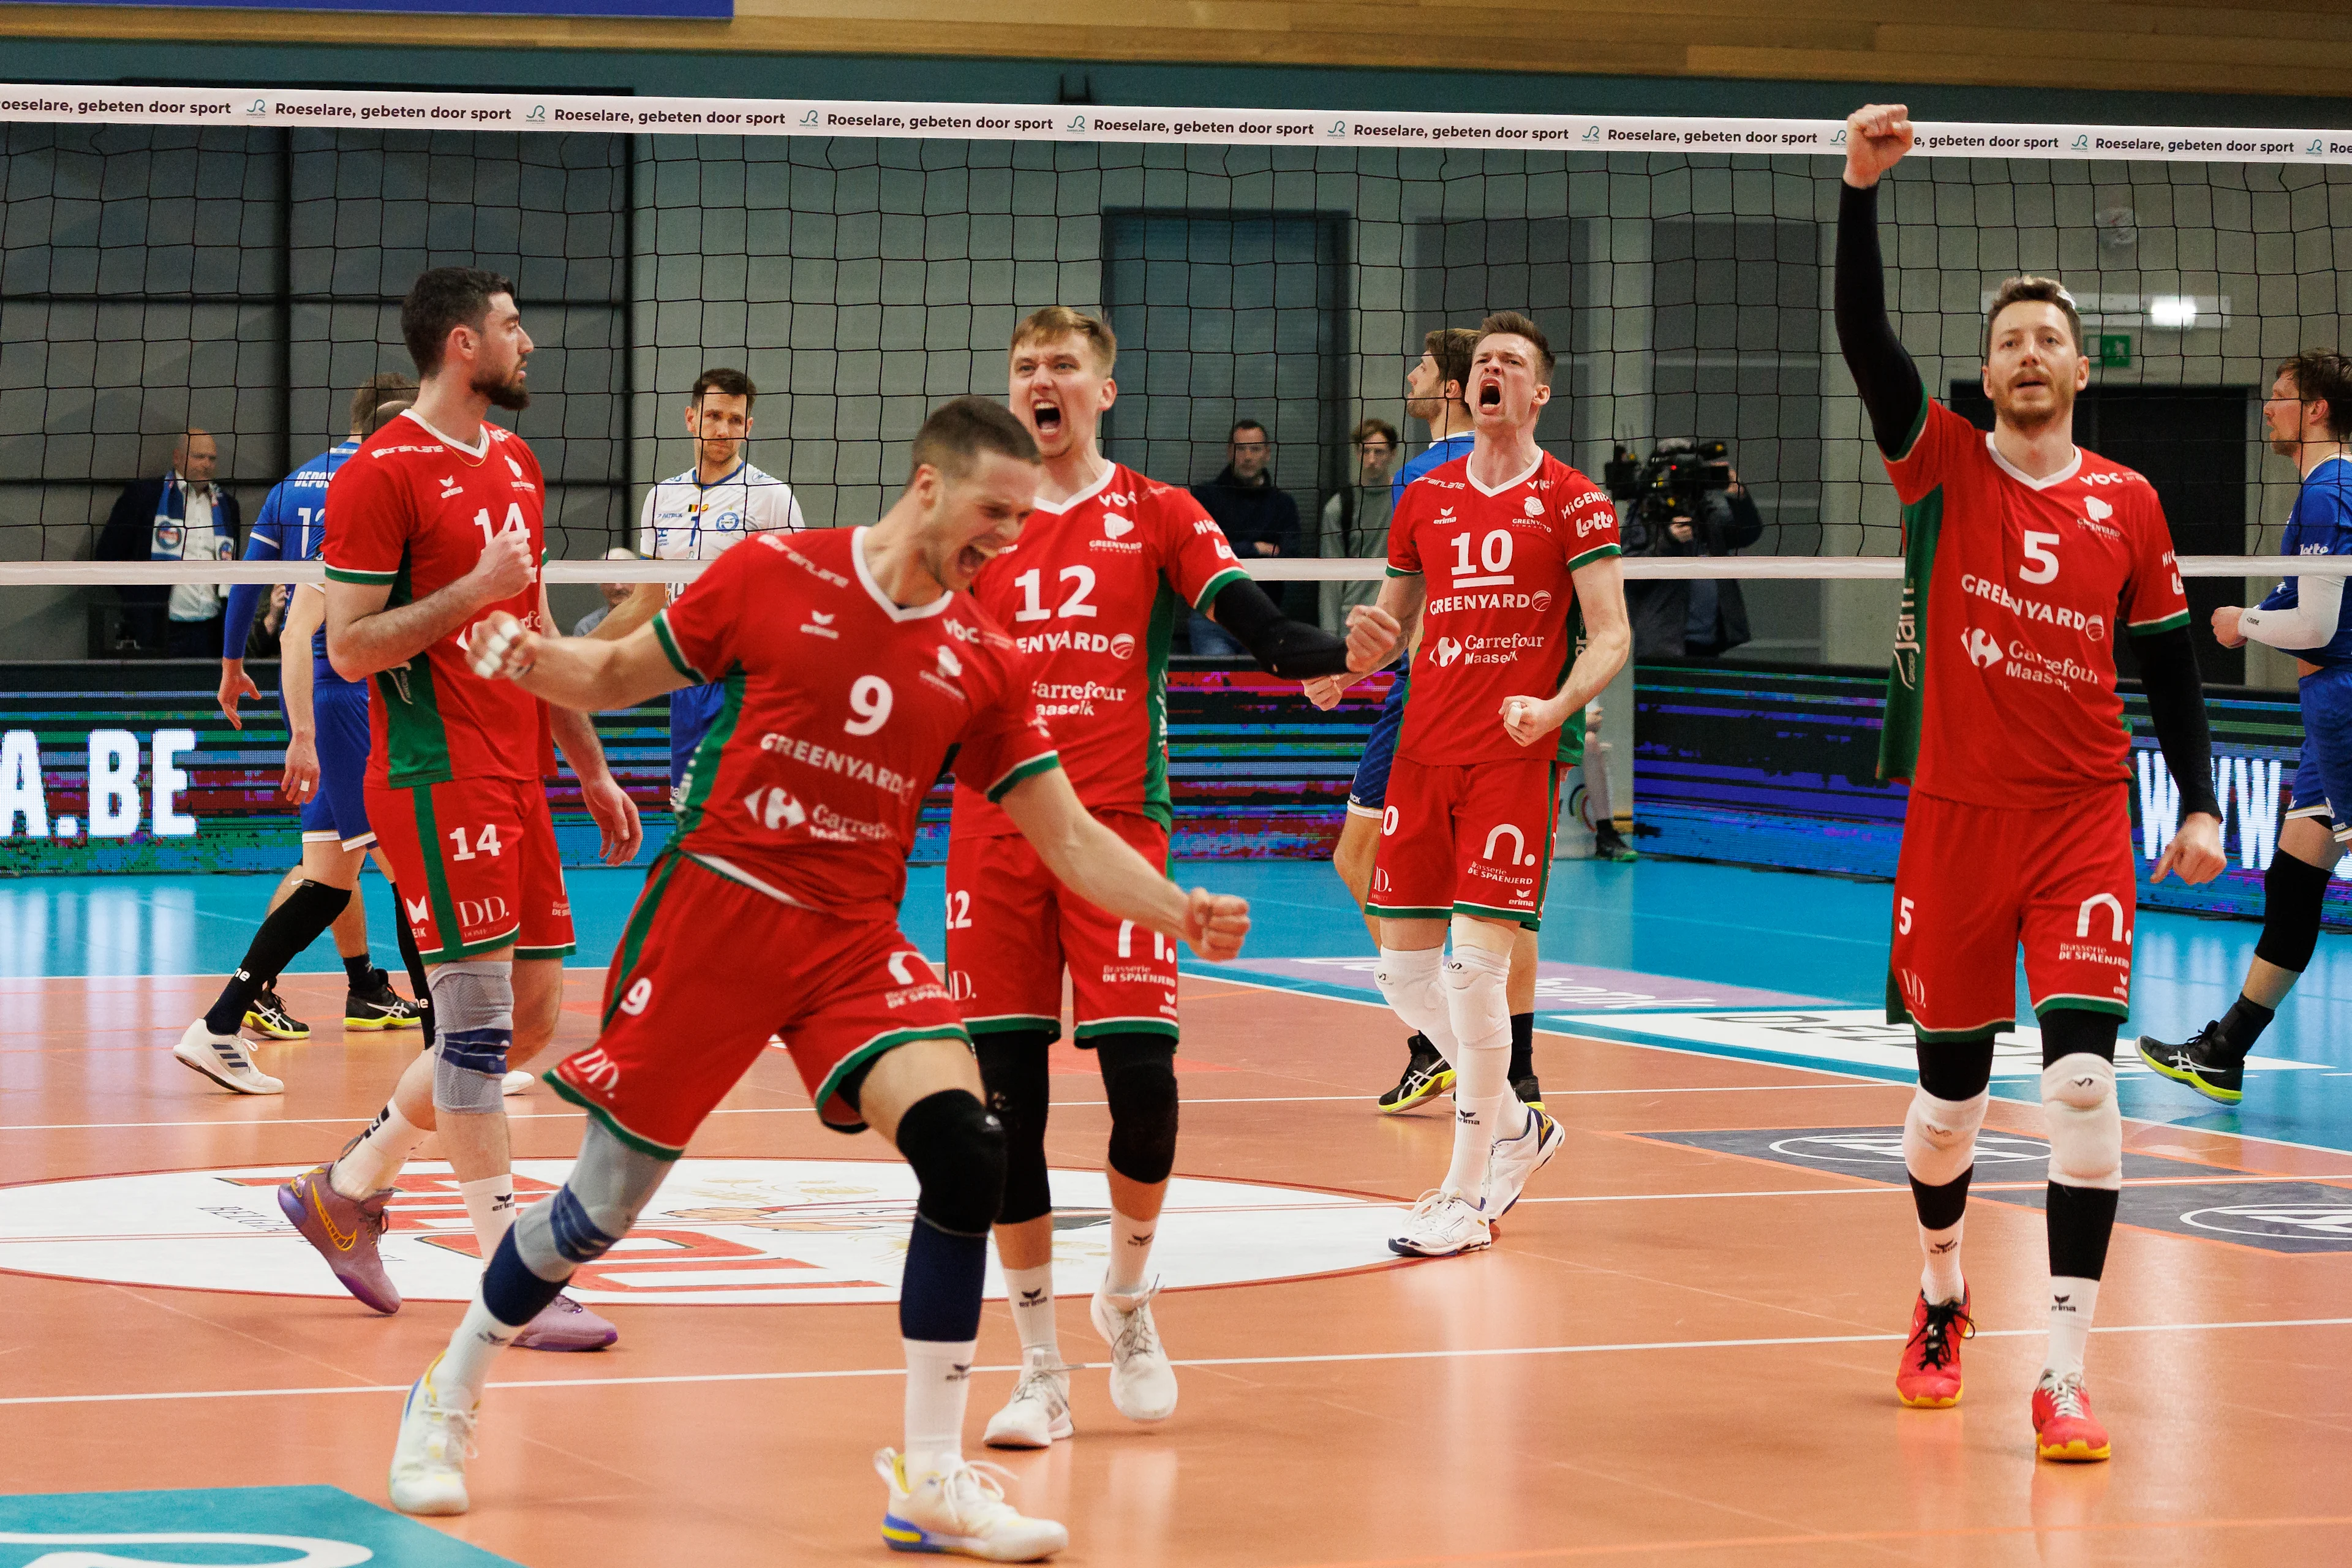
x: 1062, y: 508
x: 2028, y: 480
x: 1508, y: 485
x: 451, y: 441
x: 892, y: 607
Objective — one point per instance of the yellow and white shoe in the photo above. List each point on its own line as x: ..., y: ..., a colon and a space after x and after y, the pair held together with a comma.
x: 960, y: 1511
x: 428, y: 1462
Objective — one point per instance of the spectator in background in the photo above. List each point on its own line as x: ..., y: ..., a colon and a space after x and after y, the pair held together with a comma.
x: 614, y: 594
x: 182, y: 516
x: 1259, y: 519
x: 1356, y: 520
x: 1694, y: 618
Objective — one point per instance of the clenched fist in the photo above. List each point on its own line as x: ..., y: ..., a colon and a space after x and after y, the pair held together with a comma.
x: 501, y: 648
x: 1215, y: 923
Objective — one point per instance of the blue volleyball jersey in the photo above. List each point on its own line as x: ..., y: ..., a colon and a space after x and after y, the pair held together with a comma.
x: 290, y: 526
x: 2320, y: 524
x: 1436, y: 454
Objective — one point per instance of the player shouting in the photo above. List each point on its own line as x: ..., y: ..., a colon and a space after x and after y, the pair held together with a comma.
x: 2309, y: 417
x: 1516, y: 541
x: 1106, y: 568
x: 434, y: 522
x: 853, y: 666
x: 2020, y: 551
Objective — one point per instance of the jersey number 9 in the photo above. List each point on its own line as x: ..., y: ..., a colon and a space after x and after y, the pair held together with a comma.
x: 869, y: 699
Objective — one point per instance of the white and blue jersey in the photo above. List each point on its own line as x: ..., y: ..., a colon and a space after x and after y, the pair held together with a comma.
x: 292, y: 526
x: 2321, y: 524
x: 686, y: 520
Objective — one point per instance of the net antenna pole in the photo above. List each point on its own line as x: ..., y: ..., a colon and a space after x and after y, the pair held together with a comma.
x: 283, y: 312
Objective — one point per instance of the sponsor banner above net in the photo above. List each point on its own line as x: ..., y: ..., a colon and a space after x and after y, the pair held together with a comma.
x: 264, y: 105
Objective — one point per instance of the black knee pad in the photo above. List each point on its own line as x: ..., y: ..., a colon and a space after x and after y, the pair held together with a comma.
x: 1139, y: 1075
x: 2066, y: 1031
x: 1020, y: 1085
x: 958, y: 1151
x: 1956, y: 1070
x: 2293, y: 893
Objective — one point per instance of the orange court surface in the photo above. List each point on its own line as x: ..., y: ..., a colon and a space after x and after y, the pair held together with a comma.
x: 1680, y: 1349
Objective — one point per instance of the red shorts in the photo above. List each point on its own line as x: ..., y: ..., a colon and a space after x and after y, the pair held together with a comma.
x: 1470, y: 838
x: 1977, y: 881
x: 706, y: 970
x: 1011, y: 927
x: 477, y: 866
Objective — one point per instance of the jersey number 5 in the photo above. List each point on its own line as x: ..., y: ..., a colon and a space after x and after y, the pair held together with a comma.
x: 2045, y: 560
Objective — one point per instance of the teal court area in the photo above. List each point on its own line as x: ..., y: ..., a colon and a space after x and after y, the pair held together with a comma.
x: 1711, y: 960
x: 237, y: 1526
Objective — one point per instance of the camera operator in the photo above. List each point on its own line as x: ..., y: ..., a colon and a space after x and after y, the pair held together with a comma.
x: 1687, y: 501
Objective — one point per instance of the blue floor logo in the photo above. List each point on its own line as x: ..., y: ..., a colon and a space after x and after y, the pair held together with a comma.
x: 241, y: 1527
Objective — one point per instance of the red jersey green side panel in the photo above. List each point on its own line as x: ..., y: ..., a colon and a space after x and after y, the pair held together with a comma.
x: 840, y: 708
x: 2002, y: 688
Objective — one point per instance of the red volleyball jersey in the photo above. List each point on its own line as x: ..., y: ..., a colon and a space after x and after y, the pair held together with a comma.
x: 2003, y: 690
x: 1092, y: 592
x: 413, y: 508
x: 1500, y: 618
x: 839, y: 709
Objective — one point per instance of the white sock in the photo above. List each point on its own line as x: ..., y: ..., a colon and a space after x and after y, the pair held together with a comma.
x: 1481, y: 1085
x: 938, y: 1379
x: 2072, y: 1303
x: 369, y: 1165
x: 489, y: 1203
x: 1131, y: 1251
x: 1478, y: 1005
x: 465, y: 1367
x: 1031, y: 1291
x: 1414, y: 986
x: 1939, y: 1276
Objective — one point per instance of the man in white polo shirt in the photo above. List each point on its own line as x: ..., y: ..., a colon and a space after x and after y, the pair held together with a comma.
x: 694, y: 516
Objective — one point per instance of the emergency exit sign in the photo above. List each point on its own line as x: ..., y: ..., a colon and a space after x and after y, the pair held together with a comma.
x: 2114, y: 351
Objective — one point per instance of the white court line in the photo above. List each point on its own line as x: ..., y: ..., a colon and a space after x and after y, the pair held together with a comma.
x: 1346, y: 1356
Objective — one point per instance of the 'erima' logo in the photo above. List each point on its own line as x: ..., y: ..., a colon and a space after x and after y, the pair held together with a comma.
x: 1983, y: 647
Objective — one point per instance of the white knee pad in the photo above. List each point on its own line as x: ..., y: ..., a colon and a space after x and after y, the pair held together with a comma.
x: 1478, y: 999
x: 1411, y: 983
x: 1939, y: 1136
x: 2086, y: 1126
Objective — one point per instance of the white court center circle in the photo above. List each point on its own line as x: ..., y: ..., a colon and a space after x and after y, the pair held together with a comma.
x: 720, y: 1233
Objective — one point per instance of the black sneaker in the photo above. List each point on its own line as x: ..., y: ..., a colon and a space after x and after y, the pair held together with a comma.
x: 1530, y: 1091
x: 380, y: 1006
x: 1426, y: 1076
x: 268, y: 1015
x: 2203, y: 1062
x: 1608, y: 846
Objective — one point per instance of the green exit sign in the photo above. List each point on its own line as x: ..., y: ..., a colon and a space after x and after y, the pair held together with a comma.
x: 2114, y: 351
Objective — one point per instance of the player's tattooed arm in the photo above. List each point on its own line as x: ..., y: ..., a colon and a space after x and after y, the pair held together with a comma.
x: 1100, y: 866
x: 365, y: 637
x: 1607, y: 641
x: 1895, y: 398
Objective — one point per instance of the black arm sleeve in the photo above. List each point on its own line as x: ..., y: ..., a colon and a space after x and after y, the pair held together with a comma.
x: 2175, y: 702
x: 1291, y: 649
x: 1883, y: 373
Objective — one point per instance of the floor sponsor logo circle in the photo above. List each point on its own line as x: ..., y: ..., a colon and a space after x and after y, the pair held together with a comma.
x: 2303, y: 1222
x: 1885, y: 1147
x: 720, y: 1233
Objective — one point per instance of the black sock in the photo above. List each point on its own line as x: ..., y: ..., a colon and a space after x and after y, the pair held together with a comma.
x: 2081, y: 1221
x: 1523, y: 1045
x: 359, y: 969
x: 292, y: 926
x: 414, y: 962
x: 2243, y: 1023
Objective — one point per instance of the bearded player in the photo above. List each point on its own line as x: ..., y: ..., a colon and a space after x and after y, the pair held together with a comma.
x: 1104, y: 571
x: 853, y: 669
x: 1517, y: 544
x: 2020, y: 551
x: 2309, y: 419
x: 434, y: 522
